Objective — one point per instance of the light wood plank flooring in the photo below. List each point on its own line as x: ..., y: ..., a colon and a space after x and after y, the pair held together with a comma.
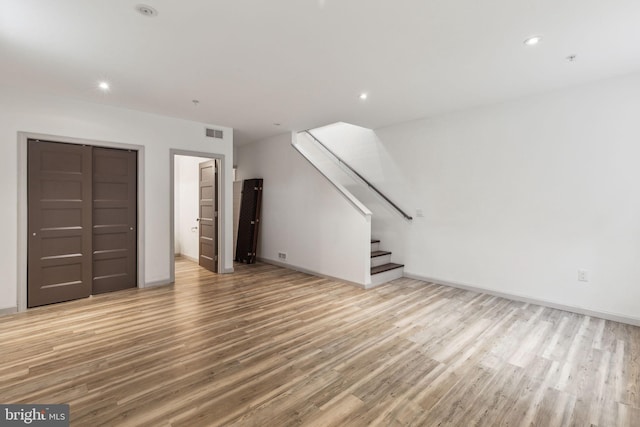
x: 266, y: 346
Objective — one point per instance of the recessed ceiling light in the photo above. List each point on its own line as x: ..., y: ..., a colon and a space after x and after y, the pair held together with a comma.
x: 532, y: 41
x: 276, y: 124
x: 145, y: 10
x: 363, y: 96
x: 104, y: 86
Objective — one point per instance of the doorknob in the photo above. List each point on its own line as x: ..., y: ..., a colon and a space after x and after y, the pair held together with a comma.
x: 131, y: 228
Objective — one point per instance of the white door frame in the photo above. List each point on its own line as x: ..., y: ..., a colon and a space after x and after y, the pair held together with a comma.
x: 23, y: 137
x: 220, y: 194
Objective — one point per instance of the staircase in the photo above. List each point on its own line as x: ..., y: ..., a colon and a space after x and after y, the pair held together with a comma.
x: 382, y: 269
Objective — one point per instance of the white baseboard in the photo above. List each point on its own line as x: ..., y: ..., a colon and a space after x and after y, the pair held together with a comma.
x: 227, y: 270
x: 157, y: 283
x: 515, y: 297
x: 8, y: 310
x: 190, y: 258
x: 306, y: 271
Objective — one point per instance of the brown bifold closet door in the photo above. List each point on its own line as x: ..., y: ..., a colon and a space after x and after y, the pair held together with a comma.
x: 59, y: 205
x: 114, y: 220
x: 208, y: 238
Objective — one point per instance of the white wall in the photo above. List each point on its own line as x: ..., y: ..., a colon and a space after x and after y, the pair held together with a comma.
x: 303, y: 215
x: 518, y: 196
x: 20, y: 111
x: 186, y: 189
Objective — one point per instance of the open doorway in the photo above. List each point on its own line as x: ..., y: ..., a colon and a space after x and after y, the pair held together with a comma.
x: 195, y: 210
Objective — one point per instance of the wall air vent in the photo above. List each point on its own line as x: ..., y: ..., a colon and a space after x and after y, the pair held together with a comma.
x: 215, y: 133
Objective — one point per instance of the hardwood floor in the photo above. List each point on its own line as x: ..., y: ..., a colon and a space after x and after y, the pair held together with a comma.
x: 266, y: 346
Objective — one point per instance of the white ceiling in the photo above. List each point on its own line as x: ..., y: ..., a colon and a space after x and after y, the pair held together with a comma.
x: 303, y: 63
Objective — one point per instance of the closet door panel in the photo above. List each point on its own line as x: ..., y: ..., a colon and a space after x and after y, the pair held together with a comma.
x: 59, y: 206
x: 114, y: 220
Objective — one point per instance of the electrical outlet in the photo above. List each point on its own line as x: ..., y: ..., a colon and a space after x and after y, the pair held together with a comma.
x: 282, y: 256
x: 583, y: 275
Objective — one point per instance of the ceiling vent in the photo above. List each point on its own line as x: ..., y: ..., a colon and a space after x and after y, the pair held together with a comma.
x: 215, y: 133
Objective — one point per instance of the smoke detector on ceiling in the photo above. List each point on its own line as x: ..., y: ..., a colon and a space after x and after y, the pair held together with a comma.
x: 145, y: 10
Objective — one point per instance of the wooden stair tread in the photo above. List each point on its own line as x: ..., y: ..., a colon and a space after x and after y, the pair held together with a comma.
x: 379, y: 253
x: 385, y: 267
x: 375, y: 241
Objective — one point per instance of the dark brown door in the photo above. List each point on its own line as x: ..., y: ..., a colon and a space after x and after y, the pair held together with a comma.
x: 249, y: 220
x: 208, y: 216
x: 114, y: 220
x: 59, y: 245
